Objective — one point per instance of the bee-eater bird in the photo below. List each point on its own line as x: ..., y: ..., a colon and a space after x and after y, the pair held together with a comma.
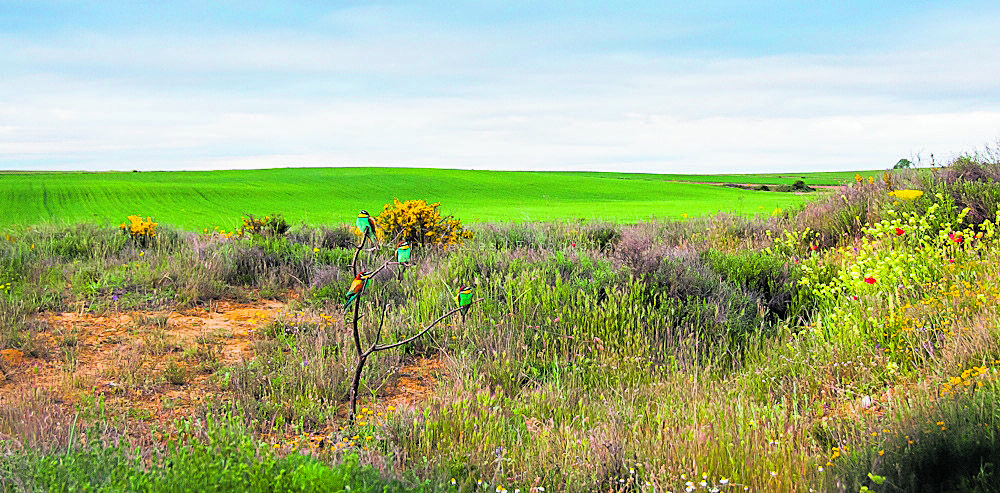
x: 367, y: 226
x: 464, y: 299
x: 403, y: 252
x: 358, y: 287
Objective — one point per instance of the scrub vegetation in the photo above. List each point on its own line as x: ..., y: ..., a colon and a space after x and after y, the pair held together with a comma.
x: 851, y: 343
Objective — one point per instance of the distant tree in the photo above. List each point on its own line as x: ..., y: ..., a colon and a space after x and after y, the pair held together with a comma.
x: 903, y: 164
x: 800, y: 186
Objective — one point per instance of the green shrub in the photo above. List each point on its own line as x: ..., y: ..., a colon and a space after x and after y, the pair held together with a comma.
x: 270, y: 226
x: 508, y: 235
x: 604, y: 237
x: 800, y: 186
x: 175, y: 372
x: 769, y: 279
x: 265, y: 261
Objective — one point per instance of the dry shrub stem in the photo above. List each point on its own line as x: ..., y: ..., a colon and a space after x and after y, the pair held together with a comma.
x: 363, y: 354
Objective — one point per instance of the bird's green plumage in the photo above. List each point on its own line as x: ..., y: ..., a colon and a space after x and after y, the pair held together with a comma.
x: 366, y: 224
x: 403, y: 253
x: 367, y: 227
x: 464, y: 300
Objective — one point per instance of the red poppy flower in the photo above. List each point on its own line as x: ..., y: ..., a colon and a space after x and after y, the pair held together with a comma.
x: 957, y: 238
x: 870, y: 280
x: 813, y: 247
x: 855, y: 298
x: 899, y: 231
x: 951, y: 261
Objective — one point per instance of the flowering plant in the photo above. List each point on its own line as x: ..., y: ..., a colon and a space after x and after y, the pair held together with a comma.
x: 139, y: 230
x: 420, y: 223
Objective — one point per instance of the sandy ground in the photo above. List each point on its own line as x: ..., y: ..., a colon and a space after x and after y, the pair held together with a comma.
x: 124, y: 360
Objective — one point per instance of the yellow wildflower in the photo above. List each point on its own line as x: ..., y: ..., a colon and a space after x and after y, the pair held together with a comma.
x: 907, y: 194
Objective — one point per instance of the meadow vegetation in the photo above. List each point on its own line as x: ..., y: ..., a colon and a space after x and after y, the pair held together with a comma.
x: 849, y: 344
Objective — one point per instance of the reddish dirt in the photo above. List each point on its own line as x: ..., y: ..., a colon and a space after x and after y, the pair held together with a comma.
x: 722, y: 184
x: 414, y: 383
x: 122, y: 359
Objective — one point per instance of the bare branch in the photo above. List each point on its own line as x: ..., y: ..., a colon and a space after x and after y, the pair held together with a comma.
x: 354, y: 263
x: 357, y: 336
x: 378, y: 332
x: 383, y: 267
x: 422, y: 332
x: 396, y: 239
x: 374, y: 347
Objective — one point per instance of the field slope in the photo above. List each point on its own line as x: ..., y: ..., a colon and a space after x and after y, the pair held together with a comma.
x: 200, y: 199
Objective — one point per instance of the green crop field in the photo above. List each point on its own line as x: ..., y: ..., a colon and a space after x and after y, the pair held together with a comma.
x: 204, y: 199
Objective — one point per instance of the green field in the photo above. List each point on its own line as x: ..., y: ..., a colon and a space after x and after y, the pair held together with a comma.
x: 200, y: 199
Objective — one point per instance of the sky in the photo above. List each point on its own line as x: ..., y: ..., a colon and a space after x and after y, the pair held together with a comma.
x: 662, y: 87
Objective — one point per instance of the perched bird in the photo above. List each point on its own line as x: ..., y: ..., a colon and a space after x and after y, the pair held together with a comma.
x: 403, y: 252
x: 367, y: 226
x: 358, y: 287
x: 402, y: 257
x: 464, y: 299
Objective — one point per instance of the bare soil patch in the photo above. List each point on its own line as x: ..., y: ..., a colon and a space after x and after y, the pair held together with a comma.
x: 414, y: 382
x: 149, y: 368
x: 146, y: 367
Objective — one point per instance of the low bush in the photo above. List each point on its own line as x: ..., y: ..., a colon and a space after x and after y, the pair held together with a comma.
x: 839, y: 217
x: 510, y: 236
x: 138, y: 230
x: 331, y: 238
x: 970, y: 182
x: 270, y: 226
x: 604, y: 237
x: 274, y: 262
x: 767, y: 278
x: 420, y: 223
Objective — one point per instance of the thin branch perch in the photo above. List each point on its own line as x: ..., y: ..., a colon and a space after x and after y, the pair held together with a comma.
x: 422, y: 332
x: 375, y: 346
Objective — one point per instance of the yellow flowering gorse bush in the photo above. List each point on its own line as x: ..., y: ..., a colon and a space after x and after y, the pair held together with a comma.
x: 141, y: 231
x: 420, y: 223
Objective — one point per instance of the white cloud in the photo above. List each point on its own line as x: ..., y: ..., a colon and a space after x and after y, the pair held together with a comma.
x: 478, y: 100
